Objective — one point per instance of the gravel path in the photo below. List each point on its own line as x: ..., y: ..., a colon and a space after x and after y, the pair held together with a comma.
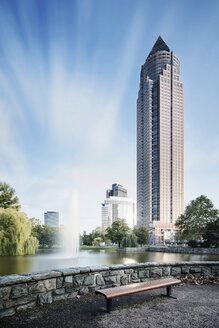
x: 196, y: 306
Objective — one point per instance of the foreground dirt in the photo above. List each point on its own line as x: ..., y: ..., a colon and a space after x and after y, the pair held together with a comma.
x: 196, y: 306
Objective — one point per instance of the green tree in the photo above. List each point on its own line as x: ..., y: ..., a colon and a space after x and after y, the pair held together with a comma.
x: 7, y: 197
x: 46, y: 235
x: 129, y: 240
x: 87, y: 239
x: 198, y: 214
x: 97, y: 241
x: 211, y: 234
x: 117, y: 231
x: 142, y: 235
x: 16, y: 233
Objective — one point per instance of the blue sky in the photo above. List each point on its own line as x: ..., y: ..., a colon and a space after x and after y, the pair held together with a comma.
x: 69, y: 77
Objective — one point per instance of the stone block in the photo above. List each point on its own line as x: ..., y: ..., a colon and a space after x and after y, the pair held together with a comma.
x: 89, y: 280
x: 50, y: 284
x: 136, y: 280
x: 134, y: 276
x: 5, y: 293
x: 176, y: 271
x: 73, y: 294
x: 19, y: 291
x: 116, y: 272
x: 215, y: 270
x: 156, y: 272
x: 69, y: 271
x: 6, y: 312
x: 118, y: 267
x: 69, y: 279
x: 59, y: 291
x: 205, y: 271
x: 110, y: 280
x: 60, y: 297
x: 37, y: 287
x: 185, y: 269
x: 20, y: 301
x: 128, y: 271
x: 99, y: 268
x: 46, y: 275
x: 166, y: 271
x: 44, y: 298
x: 195, y: 270
x: 124, y: 280
x: 26, y: 307
x: 85, y: 269
x: 14, y: 279
x: 144, y: 273
x: 1, y: 304
x: 99, y: 280
x: 83, y: 290
x: 59, y: 282
x: 78, y: 280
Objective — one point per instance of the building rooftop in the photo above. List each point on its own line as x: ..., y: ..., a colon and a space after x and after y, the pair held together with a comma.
x: 159, y: 45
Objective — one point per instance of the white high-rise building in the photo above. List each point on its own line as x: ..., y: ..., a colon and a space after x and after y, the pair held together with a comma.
x: 160, y: 142
x: 118, y: 206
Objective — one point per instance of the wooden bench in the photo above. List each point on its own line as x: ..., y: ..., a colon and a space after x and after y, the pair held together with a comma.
x: 110, y: 293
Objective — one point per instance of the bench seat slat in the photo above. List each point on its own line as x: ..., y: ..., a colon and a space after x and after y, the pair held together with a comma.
x: 137, y: 287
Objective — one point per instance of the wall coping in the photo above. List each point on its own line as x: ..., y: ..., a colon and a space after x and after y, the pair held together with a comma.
x: 13, y: 279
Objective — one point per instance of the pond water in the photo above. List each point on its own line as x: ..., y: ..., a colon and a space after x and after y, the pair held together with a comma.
x: 48, y: 260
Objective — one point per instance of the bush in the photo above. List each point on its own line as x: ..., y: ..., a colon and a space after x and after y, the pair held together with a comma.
x: 193, y: 243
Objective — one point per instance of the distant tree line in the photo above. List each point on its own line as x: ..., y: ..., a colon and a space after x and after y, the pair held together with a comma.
x: 118, y: 233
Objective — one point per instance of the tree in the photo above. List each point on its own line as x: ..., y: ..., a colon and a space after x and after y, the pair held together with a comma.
x: 117, y: 231
x: 97, y: 241
x: 46, y: 235
x: 211, y: 234
x: 7, y: 197
x: 16, y: 233
x: 198, y: 214
x: 129, y: 241
x: 142, y: 235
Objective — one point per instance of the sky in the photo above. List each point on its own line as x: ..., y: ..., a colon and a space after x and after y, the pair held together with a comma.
x: 69, y: 78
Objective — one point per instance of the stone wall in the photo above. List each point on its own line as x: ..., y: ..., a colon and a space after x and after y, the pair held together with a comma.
x: 21, y: 292
x: 172, y: 249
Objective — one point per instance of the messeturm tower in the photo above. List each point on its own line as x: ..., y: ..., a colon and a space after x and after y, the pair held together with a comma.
x: 160, y: 142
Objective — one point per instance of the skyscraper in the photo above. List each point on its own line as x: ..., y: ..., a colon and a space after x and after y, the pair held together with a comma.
x: 160, y: 142
x: 51, y: 218
x: 118, y: 206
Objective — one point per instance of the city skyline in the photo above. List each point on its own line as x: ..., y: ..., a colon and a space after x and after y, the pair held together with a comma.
x: 69, y: 76
x: 160, y: 142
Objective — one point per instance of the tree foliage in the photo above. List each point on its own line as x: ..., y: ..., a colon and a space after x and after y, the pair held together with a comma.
x: 91, y: 238
x: 117, y: 231
x: 16, y: 233
x: 129, y: 240
x: 142, y: 235
x: 7, y: 197
x: 198, y: 214
x: 211, y: 234
x: 46, y: 235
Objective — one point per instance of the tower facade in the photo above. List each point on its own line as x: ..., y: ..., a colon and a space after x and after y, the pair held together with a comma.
x: 160, y: 142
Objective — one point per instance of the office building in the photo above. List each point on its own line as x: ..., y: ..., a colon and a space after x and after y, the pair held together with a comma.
x: 117, y: 205
x: 51, y: 219
x: 160, y: 142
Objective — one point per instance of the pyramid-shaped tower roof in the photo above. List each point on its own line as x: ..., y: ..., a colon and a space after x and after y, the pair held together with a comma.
x: 159, y: 45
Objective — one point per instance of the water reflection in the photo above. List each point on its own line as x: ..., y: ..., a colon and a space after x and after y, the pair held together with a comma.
x: 47, y: 260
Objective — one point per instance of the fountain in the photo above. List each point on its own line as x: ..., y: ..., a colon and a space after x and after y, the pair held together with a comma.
x: 70, y: 233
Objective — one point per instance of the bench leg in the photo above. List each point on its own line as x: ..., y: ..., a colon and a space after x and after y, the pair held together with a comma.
x: 108, y: 305
x: 169, y: 293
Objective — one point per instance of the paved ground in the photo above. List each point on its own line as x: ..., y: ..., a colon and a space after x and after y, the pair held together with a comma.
x: 196, y: 306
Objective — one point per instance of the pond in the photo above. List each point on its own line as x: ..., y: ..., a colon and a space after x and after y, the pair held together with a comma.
x: 50, y: 259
